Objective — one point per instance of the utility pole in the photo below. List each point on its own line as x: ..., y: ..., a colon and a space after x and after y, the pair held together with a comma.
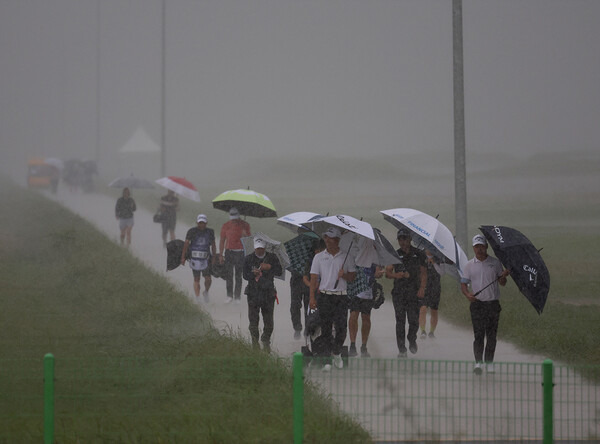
x: 163, y: 86
x: 460, y: 170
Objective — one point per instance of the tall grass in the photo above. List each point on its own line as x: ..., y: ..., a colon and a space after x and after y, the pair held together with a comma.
x: 136, y: 361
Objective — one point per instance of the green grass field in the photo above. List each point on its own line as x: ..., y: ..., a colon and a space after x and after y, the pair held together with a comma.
x: 136, y: 362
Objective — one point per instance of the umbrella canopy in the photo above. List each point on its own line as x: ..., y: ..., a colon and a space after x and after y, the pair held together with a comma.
x: 300, y: 252
x: 174, y: 250
x: 343, y: 222
x: 272, y: 246
x: 379, y: 251
x: 519, y: 255
x: 428, y: 233
x: 181, y: 186
x: 295, y: 221
x: 131, y: 182
x: 247, y: 202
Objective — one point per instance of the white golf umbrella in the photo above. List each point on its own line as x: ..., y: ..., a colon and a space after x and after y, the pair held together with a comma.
x: 295, y: 221
x: 379, y: 251
x: 428, y: 233
x: 344, y: 223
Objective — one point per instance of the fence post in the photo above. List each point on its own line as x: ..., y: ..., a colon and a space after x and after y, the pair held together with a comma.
x: 298, y: 370
x: 48, y: 398
x: 548, y: 385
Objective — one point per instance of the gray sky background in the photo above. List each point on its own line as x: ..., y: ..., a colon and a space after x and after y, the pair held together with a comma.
x: 258, y: 78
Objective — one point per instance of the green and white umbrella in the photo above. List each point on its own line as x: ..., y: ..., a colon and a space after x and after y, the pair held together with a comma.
x: 247, y: 202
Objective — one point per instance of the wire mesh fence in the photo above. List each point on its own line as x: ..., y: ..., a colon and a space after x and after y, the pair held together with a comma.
x: 394, y: 399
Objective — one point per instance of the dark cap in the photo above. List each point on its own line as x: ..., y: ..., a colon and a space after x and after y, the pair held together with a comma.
x: 403, y: 232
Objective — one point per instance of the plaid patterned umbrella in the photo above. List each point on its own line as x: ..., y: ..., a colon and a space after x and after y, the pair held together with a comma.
x: 359, y: 284
x: 300, y: 252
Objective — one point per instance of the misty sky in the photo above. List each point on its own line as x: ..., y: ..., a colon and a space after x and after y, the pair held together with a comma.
x: 254, y: 78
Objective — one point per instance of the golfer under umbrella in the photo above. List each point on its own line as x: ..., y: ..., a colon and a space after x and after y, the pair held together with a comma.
x: 271, y: 246
x: 181, y: 186
x: 247, y: 202
x: 428, y: 233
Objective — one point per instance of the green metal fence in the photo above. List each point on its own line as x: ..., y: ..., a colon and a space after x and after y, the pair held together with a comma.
x: 444, y: 400
x: 394, y: 399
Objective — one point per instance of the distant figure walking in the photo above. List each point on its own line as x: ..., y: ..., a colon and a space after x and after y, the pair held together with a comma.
x: 169, y: 205
x: 231, y: 253
x: 124, y: 210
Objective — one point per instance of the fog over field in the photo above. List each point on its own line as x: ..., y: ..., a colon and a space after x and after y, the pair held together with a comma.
x: 338, y: 99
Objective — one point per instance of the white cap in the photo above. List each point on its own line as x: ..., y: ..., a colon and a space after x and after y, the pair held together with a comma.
x: 259, y: 243
x: 333, y: 232
x: 234, y: 213
x: 478, y: 239
x: 202, y: 218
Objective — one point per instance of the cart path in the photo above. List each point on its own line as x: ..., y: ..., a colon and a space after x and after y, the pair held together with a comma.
x: 451, y: 342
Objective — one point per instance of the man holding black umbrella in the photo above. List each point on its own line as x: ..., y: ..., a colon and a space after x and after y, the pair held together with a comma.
x: 481, y: 276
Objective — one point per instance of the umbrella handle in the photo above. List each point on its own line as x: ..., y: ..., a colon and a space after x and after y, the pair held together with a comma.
x: 494, y: 281
x: 344, y: 263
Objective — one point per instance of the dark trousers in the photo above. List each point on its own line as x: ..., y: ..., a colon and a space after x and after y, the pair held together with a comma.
x: 234, y: 264
x: 485, y: 317
x: 264, y: 303
x: 333, y: 313
x: 406, y: 308
x: 299, y: 297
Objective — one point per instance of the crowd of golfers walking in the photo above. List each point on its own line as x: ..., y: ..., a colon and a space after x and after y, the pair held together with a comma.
x: 337, y: 264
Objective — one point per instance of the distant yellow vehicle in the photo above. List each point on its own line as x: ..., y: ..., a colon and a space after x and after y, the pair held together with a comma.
x: 41, y: 174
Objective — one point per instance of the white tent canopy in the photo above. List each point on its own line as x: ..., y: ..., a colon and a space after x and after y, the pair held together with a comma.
x: 140, y: 142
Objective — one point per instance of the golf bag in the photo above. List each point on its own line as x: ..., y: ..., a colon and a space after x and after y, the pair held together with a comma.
x: 315, y: 344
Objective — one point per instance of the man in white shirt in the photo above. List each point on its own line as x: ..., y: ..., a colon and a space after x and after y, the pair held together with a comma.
x: 330, y: 271
x: 481, y: 276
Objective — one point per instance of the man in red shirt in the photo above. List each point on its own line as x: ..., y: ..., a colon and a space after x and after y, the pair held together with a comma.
x: 231, y: 252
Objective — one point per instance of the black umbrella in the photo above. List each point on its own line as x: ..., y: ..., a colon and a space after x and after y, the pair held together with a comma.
x: 174, y: 250
x: 518, y: 254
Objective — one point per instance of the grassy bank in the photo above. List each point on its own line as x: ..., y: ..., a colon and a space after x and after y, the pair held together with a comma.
x: 135, y: 360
